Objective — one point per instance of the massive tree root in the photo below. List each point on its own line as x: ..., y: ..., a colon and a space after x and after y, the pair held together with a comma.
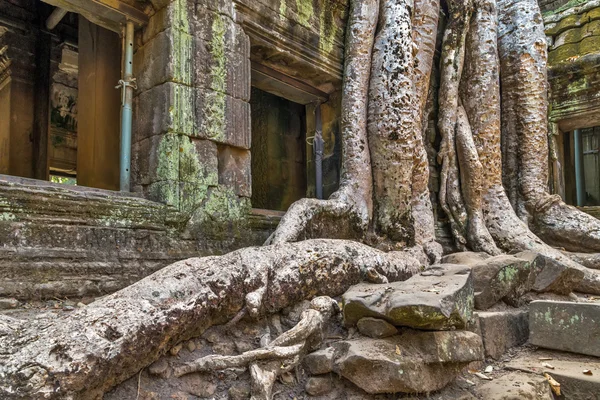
x: 523, y: 51
x: 82, y: 354
x: 348, y: 213
x: 279, y: 356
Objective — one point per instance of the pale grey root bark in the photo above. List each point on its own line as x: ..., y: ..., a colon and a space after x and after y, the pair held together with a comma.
x: 480, y: 94
x: 348, y: 213
x: 523, y: 52
x: 451, y: 66
x: 279, y: 356
x: 82, y: 354
x: 403, y: 211
x: 424, y: 34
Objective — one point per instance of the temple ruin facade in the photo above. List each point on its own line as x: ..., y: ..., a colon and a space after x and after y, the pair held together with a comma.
x: 236, y: 115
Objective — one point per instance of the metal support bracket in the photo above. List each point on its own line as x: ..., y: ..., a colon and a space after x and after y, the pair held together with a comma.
x: 123, y: 85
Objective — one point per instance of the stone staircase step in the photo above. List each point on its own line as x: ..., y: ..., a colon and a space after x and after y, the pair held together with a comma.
x: 568, y: 326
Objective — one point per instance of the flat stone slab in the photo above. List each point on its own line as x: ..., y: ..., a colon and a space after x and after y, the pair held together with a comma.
x: 414, y: 362
x: 567, y: 326
x: 516, y: 386
x: 501, y: 330
x: 568, y: 371
x: 439, y: 298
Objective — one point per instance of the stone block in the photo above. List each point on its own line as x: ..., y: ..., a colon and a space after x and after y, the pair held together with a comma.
x: 235, y: 170
x: 222, y: 62
x: 566, y: 326
x: 173, y: 65
x: 176, y: 14
x: 224, y: 7
x: 198, y: 161
x: 502, y: 330
x: 567, y: 370
x: 501, y: 278
x: 166, y: 192
x: 430, y: 301
x: 414, y: 362
x: 516, y: 386
x: 223, y: 119
x: 320, y: 362
x: 549, y: 275
x: 155, y: 159
x: 376, y: 328
x: 168, y: 107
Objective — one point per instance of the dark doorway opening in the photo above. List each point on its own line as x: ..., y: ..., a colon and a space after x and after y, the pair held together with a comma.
x: 278, y: 151
x: 582, y: 167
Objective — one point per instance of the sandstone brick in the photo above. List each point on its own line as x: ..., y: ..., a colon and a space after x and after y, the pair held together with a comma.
x: 502, y: 330
x: 223, y: 118
x: 198, y: 162
x: 222, y: 57
x: 166, y: 192
x: 235, y: 170
x: 168, y: 107
x: 169, y: 15
x: 173, y: 65
x: 155, y: 159
x: 566, y: 326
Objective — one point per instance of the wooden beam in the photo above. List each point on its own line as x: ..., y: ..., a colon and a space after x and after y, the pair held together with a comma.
x: 54, y: 18
x: 109, y: 14
x: 272, y: 81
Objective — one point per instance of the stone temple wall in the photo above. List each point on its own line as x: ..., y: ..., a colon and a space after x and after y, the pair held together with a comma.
x: 191, y: 150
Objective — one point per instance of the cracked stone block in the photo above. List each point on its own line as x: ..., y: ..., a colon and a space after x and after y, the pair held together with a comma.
x: 437, y: 299
x: 414, y: 362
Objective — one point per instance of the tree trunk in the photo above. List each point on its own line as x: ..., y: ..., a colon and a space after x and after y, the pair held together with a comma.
x: 523, y: 51
x: 348, y: 213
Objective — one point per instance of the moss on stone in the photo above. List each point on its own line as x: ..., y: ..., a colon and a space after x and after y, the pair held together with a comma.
x: 327, y: 27
x: 305, y: 12
x: 213, y: 113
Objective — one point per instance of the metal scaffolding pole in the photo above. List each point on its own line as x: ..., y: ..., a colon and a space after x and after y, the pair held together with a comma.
x: 127, y: 85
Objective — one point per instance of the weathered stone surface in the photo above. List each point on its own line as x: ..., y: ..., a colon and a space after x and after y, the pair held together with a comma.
x: 502, y: 330
x: 550, y: 275
x: 8, y: 303
x: 174, y: 64
x: 223, y: 118
x: 439, y: 298
x: 568, y: 371
x: 320, y: 362
x: 500, y: 278
x: 318, y: 385
x: 235, y: 170
x: 567, y: 326
x: 465, y: 258
x: 164, y: 108
x: 376, y: 328
x: 516, y: 386
x: 413, y: 362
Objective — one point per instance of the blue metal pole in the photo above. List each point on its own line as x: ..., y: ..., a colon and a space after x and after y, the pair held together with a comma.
x: 579, y: 177
x: 127, y: 86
